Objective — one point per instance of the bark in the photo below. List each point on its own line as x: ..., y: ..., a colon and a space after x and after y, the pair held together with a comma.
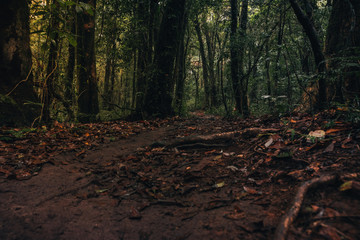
x: 181, y: 70
x: 143, y: 51
x: 342, y: 49
x: 211, y: 61
x: 146, y: 15
x: 52, y: 67
x: 234, y: 54
x: 239, y: 79
x: 70, y: 68
x: 87, y: 81
x: 180, y: 79
x: 220, y: 69
x: 108, y: 67
x: 134, y: 77
x: 278, y: 54
x: 158, y: 99
x: 321, y: 100
x: 15, y: 65
x: 244, y: 110
x: 204, y: 63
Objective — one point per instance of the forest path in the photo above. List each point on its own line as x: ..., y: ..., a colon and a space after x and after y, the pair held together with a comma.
x: 58, y: 203
x: 136, y: 188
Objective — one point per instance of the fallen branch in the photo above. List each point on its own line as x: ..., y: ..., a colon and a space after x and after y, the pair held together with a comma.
x: 290, y: 216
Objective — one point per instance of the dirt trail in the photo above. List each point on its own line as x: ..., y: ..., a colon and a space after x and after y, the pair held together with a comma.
x: 51, y: 205
x: 131, y: 189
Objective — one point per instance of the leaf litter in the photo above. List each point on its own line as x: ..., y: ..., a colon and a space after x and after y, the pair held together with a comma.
x: 202, y: 177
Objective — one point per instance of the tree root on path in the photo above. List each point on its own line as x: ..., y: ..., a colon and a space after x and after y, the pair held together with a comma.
x: 290, y: 216
x: 213, y: 139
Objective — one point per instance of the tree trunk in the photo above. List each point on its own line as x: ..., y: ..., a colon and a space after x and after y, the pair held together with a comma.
x: 342, y: 49
x: 211, y: 61
x: 15, y: 65
x: 204, y: 64
x: 321, y: 100
x: 158, y: 99
x: 181, y: 70
x: 69, y: 77
x: 278, y: 54
x: 108, y: 67
x: 87, y: 82
x: 244, y: 110
x: 145, y: 16
x: 52, y: 67
x: 234, y: 54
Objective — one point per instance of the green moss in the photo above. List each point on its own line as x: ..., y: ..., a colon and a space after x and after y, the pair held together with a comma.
x: 10, y: 112
x: 17, y: 114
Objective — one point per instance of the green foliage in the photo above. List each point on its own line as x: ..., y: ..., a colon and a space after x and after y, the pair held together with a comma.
x: 105, y: 116
x: 21, y: 133
x: 84, y: 7
x: 283, y: 72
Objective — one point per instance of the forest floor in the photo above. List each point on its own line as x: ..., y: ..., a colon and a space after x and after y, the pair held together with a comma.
x: 203, y: 177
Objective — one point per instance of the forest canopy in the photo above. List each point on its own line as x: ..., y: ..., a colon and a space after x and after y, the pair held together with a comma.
x: 98, y: 60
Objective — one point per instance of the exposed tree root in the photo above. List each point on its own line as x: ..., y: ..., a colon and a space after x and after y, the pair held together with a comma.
x: 290, y: 216
x: 207, y: 140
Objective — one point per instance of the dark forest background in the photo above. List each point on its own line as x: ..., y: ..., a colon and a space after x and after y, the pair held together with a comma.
x: 99, y: 60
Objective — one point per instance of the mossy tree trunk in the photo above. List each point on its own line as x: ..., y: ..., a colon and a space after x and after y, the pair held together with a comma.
x: 88, y: 103
x: 16, y: 87
x: 52, y: 67
x: 343, y: 50
x: 159, y: 95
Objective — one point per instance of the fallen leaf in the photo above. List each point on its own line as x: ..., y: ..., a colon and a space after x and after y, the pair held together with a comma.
x: 232, y: 168
x: 134, y: 213
x: 23, y: 175
x: 217, y: 157
x: 320, y: 134
x: 101, y: 190
x: 250, y: 190
x: 334, y: 130
x: 346, y: 186
x: 219, y: 185
x: 80, y: 153
x: 330, y: 148
x: 269, y: 142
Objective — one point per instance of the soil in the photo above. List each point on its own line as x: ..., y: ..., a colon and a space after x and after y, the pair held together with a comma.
x: 150, y: 185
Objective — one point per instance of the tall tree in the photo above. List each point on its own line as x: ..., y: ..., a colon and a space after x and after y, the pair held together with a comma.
x: 15, y: 65
x: 87, y: 81
x: 145, y: 17
x: 309, y: 29
x: 237, y: 50
x: 343, y: 49
x: 234, y: 53
x: 70, y: 65
x: 159, y: 95
x: 244, y: 110
x: 52, y: 67
x: 204, y: 63
x: 180, y: 69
